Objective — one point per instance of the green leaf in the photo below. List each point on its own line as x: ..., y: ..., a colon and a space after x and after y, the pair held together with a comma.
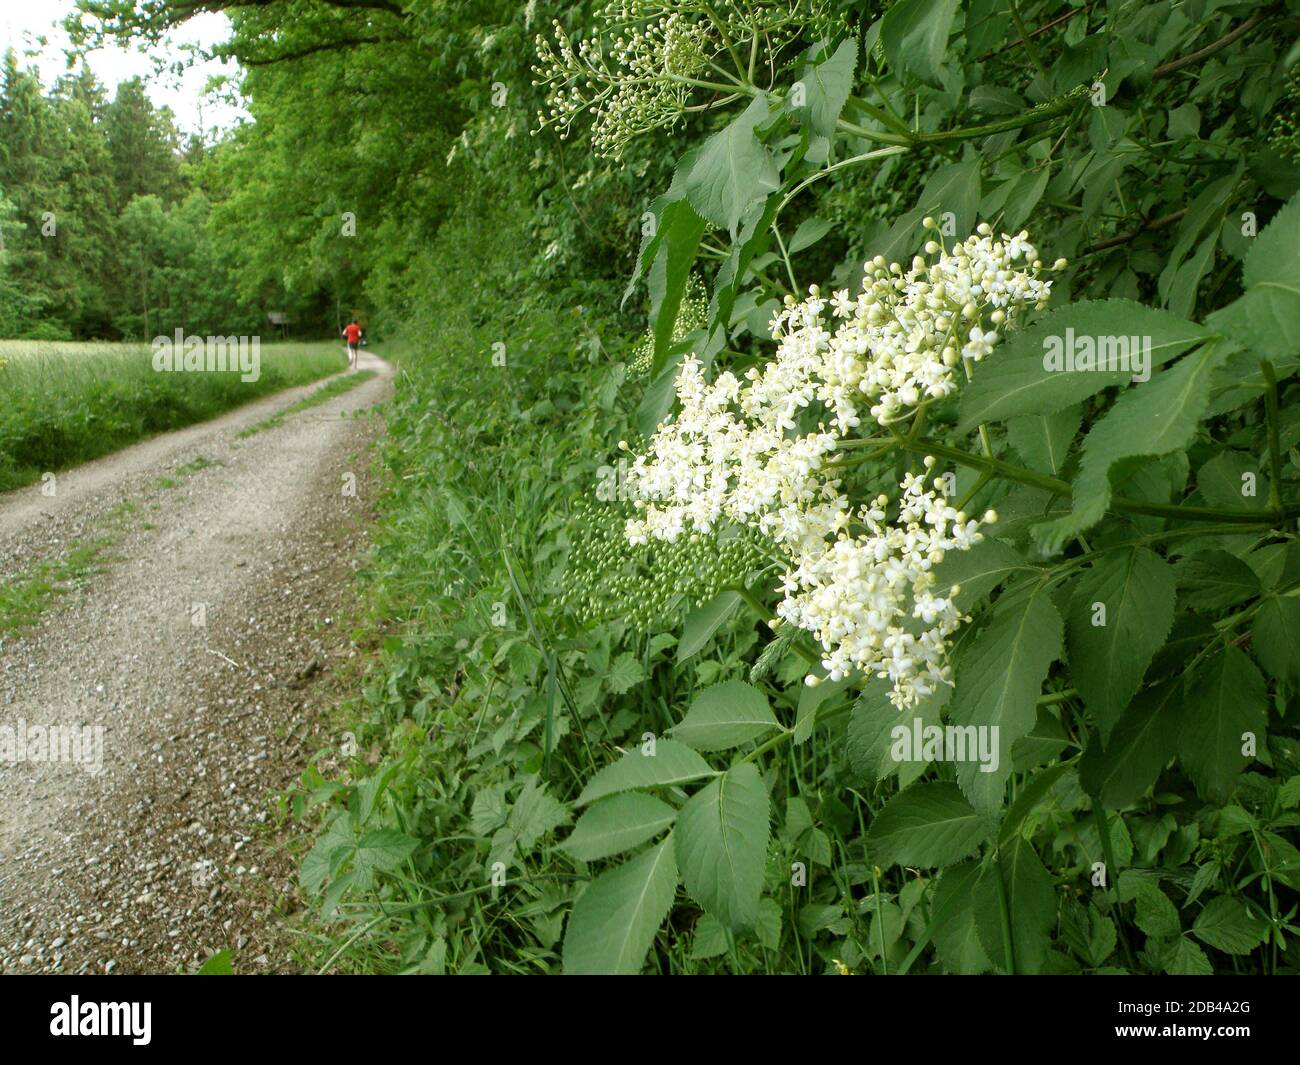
x: 384, y: 849
x: 914, y: 36
x: 980, y: 570
x: 1275, y: 637
x: 625, y: 673
x: 927, y: 825
x: 999, y: 674
x: 731, y: 169
x: 1107, y: 662
x: 810, y: 231
x: 617, y: 824
x: 1153, y: 912
x: 870, y: 736
x: 722, y: 835
x: 1274, y: 254
x: 826, y: 89
x: 955, y: 937
x: 667, y: 251
x: 725, y: 715
x: 1013, y: 380
x: 218, y: 965
x: 703, y: 622
x: 615, y: 920
x: 1227, y: 924
x: 1043, y: 440
x: 672, y: 763
x: 1159, y: 417
x: 1031, y: 906
x: 1140, y: 746
x: 534, y: 814
x: 1221, y: 481
x: 1185, y: 958
x: 1212, y: 580
x: 1224, y: 699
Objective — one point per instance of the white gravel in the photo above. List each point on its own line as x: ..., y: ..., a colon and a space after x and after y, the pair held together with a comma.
x: 177, y: 848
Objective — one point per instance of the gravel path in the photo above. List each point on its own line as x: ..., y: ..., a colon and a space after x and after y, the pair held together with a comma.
x: 199, y: 666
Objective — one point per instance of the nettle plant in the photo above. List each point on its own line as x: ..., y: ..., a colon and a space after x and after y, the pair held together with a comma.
x: 1033, y: 556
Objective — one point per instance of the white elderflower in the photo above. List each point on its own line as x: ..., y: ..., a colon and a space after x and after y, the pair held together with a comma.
x: 754, y: 451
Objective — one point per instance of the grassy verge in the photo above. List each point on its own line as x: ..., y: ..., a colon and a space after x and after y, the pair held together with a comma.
x: 321, y: 395
x: 65, y: 403
x: 25, y: 596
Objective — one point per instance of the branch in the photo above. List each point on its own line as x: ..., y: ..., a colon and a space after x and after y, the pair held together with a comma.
x: 302, y: 53
x: 1165, y: 69
x: 1133, y: 234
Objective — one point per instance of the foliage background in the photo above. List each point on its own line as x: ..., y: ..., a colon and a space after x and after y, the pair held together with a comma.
x: 521, y: 646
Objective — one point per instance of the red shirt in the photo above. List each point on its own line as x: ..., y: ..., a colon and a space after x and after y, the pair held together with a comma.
x: 353, y: 333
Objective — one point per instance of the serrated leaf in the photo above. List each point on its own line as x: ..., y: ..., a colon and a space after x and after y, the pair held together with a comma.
x: 672, y: 763
x: 870, y: 736
x: 534, y: 814
x: 722, y: 835
x: 1136, y: 588
x: 1141, y: 745
x: 927, y: 825
x: 1154, y: 419
x: 1153, y: 912
x: 999, y: 674
x: 1185, y: 958
x: 725, y: 715
x: 1275, y: 637
x: 1274, y: 254
x: 615, y: 920
x: 980, y: 570
x: 914, y: 36
x: 617, y: 824
x: 956, y: 939
x: 731, y: 169
x: 704, y: 621
x: 667, y: 251
x: 625, y: 673
x: 1227, y: 924
x: 826, y: 89
x: 1013, y: 380
x: 1212, y: 580
x: 1224, y: 699
x: 1043, y: 440
x: 383, y: 849
x: 1221, y: 481
x: 1031, y: 906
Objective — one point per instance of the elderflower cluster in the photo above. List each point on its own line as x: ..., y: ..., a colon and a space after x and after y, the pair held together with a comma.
x: 906, y: 333
x: 754, y: 451
x: 862, y: 596
x: 628, y: 83
x: 636, y: 72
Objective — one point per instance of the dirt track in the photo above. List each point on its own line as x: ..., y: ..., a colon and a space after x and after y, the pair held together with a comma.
x: 206, y: 650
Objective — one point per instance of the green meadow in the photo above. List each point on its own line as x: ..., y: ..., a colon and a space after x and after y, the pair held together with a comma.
x: 66, y: 402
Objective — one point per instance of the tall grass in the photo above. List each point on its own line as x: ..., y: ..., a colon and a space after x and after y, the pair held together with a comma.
x: 64, y: 402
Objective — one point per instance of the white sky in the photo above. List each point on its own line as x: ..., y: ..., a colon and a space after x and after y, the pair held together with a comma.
x: 22, y: 22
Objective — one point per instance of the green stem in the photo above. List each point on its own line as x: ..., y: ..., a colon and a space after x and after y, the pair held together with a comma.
x: 1112, y: 875
x: 1129, y: 506
x: 1030, y: 48
x: 1004, y: 913
x: 1274, y: 445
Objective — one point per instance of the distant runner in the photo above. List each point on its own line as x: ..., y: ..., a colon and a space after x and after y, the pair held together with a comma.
x: 352, y: 332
